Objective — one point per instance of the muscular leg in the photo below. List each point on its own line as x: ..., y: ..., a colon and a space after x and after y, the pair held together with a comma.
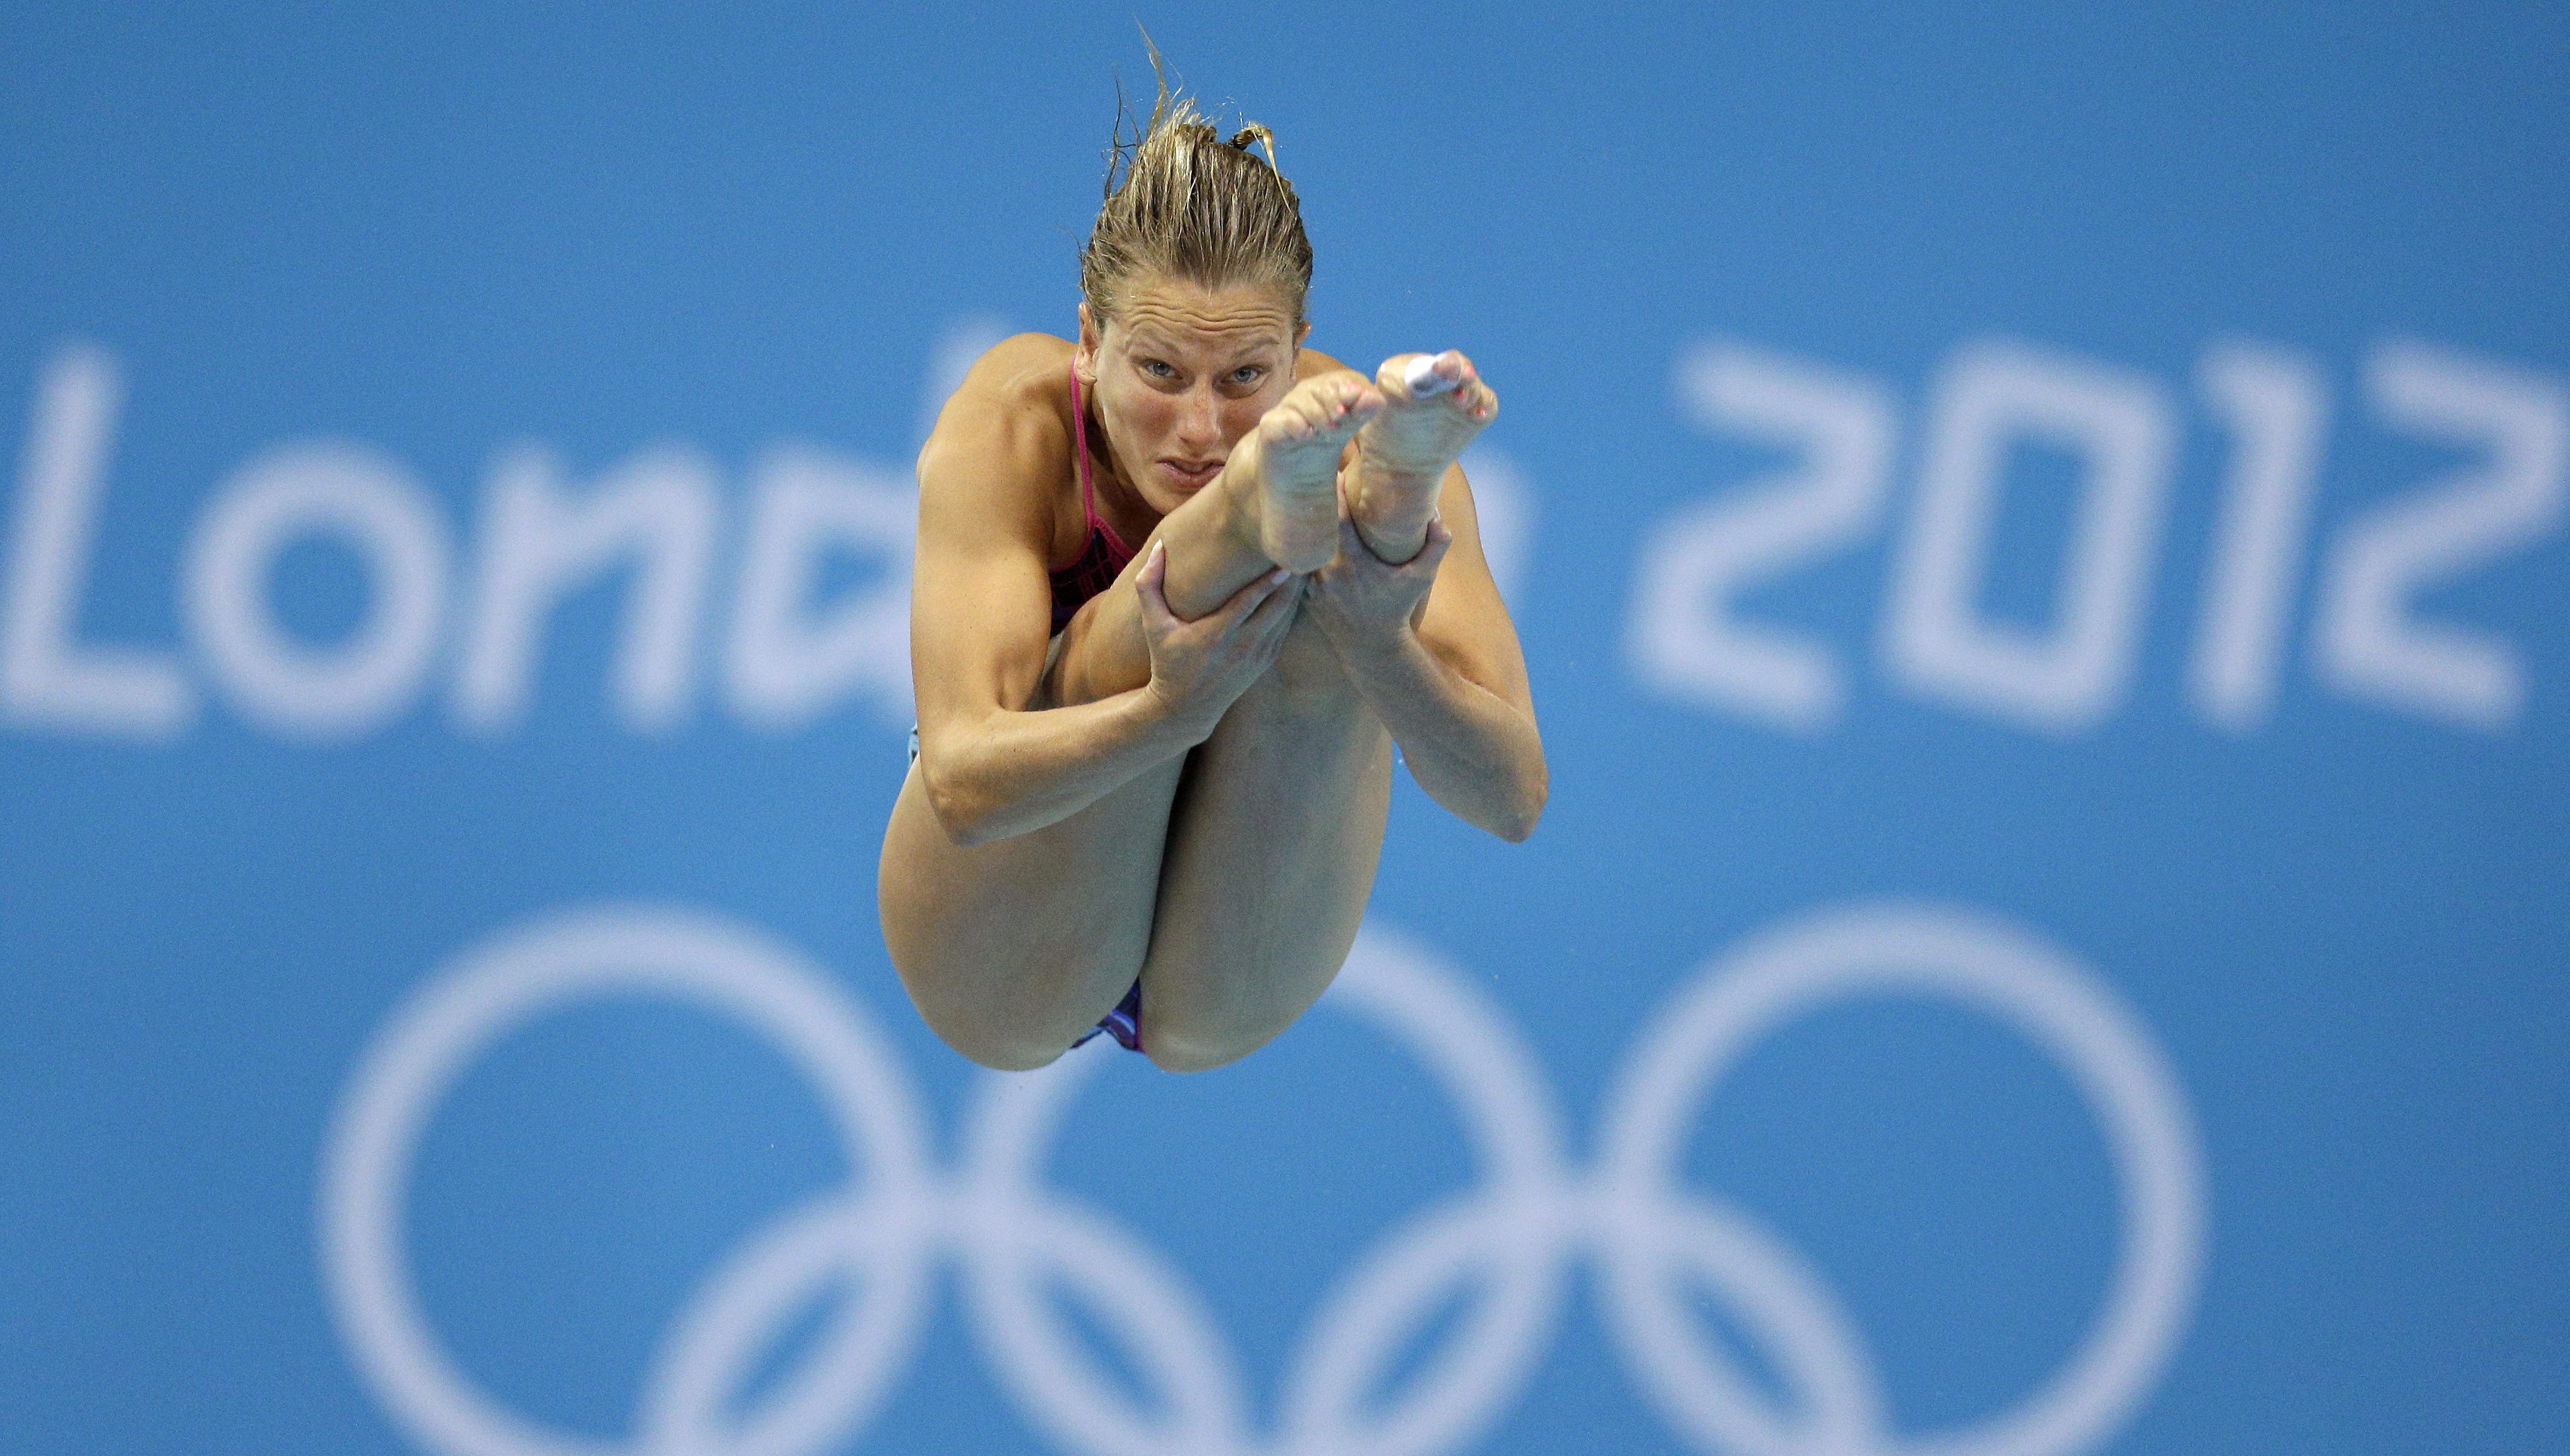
x: 1277, y: 826
x: 1013, y: 948
x: 1273, y: 842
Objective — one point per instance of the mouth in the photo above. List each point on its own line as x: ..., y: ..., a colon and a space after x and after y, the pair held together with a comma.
x: 1191, y: 475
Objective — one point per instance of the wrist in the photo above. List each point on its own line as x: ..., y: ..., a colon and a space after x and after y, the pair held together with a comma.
x: 1400, y: 550
x: 1169, y: 720
x: 1370, y: 644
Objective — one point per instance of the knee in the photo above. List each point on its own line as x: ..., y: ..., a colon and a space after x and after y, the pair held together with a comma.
x: 999, y: 1047
x: 1195, y: 1055
x: 1185, y: 1043
x: 1004, y: 1029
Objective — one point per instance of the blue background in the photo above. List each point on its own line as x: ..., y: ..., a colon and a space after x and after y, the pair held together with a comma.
x: 442, y: 235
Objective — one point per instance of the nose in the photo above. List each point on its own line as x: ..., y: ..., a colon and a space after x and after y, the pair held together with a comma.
x: 1200, y: 418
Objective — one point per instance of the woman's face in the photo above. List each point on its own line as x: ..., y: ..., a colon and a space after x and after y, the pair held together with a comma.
x: 1181, y: 373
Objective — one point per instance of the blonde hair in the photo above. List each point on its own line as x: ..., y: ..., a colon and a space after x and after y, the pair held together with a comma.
x: 1183, y: 203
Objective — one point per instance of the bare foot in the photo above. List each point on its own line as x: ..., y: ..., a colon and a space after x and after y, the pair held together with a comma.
x: 1294, y: 467
x: 1435, y: 404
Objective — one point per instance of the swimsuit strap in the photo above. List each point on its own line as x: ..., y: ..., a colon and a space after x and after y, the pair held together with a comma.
x: 1087, y: 494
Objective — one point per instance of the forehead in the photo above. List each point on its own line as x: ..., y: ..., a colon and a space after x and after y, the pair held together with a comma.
x: 1183, y: 316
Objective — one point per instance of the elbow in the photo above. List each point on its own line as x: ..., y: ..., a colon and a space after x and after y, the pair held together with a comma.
x: 1524, y: 807
x: 965, y: 817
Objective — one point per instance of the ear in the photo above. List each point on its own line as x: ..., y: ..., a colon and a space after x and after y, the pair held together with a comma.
x: 1302, y: 331
x: 1083, y: 357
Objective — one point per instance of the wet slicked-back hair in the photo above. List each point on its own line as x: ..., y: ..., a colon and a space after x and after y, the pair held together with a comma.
x: 1182, y: 202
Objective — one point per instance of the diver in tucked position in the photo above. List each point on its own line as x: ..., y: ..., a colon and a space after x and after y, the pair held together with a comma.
x: 1180, y: 587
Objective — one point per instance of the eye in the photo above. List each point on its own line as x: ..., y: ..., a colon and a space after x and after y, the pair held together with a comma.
x: 1248, y: 374
x: 1158, y: 369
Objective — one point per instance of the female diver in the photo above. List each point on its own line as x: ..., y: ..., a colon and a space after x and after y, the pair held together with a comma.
x: 1180, y: 587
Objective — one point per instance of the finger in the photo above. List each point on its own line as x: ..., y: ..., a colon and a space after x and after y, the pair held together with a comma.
x: 1268, y: 627
x: 1249, y: 599
x: 1260, y: 653
x: 1277, y: 604
x: 1276, y: 611
x: 1439, y: 540
x: 1148, y: 585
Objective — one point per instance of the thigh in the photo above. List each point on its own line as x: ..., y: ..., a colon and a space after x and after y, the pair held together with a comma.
x: 1013, y: 948
x: 1273, y: 842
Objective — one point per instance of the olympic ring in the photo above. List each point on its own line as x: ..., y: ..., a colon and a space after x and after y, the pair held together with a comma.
x: 366, y: 1164
x: 1513, y: 1239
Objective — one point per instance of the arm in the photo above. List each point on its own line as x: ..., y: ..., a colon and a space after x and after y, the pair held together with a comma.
x: 997, y: 762
x: 1431, y: 648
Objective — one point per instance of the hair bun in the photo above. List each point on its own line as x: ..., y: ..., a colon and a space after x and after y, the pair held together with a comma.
x: 1254, y: 132
x: 1173, y: 206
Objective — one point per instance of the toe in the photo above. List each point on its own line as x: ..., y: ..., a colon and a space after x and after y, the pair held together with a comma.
x: 1426, y: 376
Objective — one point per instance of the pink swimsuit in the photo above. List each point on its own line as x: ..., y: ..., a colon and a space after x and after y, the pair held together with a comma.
x: 1091, y: 572
x: 1104, y: 557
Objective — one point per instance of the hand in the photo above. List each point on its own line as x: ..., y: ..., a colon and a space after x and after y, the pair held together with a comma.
x: 1360, y: 601
x: 1198, y: 668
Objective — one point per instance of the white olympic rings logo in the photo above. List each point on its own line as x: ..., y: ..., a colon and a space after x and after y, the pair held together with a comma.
x: 1516, y: 1237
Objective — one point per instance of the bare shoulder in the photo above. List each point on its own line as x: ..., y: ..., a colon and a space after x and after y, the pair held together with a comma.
x: 1309, y: 363
x: 1003, y: 440
x: 988, y: 479
x: 1023, y: 366
x: 1022, y: 386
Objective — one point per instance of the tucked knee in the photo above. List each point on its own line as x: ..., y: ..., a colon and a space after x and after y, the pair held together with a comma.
x: 1004, y: 1030
x: 1199, y: 1044
x: 995, y: 1047
x: 1195, y: 1055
